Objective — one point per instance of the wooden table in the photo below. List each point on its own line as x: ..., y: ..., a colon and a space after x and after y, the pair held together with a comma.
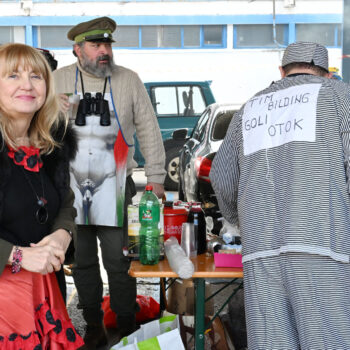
x: 204, y: 268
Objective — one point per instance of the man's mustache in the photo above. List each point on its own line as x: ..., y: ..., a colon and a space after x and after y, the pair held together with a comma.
x: 103, y: 58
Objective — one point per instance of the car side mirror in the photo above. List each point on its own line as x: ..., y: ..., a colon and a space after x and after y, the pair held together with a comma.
x: 180, y: 134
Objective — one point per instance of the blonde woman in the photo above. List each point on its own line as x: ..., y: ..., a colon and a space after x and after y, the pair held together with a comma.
x: 36, y: 212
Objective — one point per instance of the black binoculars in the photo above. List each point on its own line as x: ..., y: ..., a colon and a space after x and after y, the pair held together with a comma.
x: 93, y: 105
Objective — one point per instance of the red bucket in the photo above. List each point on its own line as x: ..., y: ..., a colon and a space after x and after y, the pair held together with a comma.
x: 173, y: 220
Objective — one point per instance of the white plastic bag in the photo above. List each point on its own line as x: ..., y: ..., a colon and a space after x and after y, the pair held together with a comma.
x: 229, y: 231
x: 162, y: 334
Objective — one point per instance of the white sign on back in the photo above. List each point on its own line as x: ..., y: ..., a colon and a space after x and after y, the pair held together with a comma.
x: 280, y: 117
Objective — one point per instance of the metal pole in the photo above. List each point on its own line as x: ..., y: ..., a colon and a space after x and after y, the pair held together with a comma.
x: 346, y: 42
x: 274, y: 34
x: 199, y: 313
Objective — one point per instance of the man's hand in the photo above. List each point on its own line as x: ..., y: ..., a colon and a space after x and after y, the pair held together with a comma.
x: 63, y: 102
x: 158, y: 189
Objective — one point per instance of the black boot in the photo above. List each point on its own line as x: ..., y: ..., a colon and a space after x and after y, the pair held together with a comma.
x: 95, y: 336
x: 126, y: 325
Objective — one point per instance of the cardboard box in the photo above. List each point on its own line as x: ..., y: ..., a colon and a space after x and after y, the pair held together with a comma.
x: 228, y: 260
x: 180, y: 297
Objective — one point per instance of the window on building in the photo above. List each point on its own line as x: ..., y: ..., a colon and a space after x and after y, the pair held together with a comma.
x: 53, y: 36
x: 258, y: 35
x: 126, y: 36
x: 212, y: 35
x: 161, y: 36
x: 6, y: 35
x: 143, y: 37
x: 170, y: 36
x: 325, y: 34
x: 149, y: 36
x: 191, y: 36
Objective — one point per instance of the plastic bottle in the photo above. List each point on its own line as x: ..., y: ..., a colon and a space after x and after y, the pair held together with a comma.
x: 196, y: 216
x: 149, y: 216
x: 178, y: 260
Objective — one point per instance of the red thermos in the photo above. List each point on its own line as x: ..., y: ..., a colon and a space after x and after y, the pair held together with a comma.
x: 173, y: 220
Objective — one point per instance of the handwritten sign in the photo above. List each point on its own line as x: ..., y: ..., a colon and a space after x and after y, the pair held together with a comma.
x: 280, y: 117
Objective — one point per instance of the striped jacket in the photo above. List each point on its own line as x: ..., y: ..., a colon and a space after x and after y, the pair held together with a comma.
x: 282, y: 172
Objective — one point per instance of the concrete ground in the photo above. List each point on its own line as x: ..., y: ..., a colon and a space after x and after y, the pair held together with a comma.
x: 150, y: 287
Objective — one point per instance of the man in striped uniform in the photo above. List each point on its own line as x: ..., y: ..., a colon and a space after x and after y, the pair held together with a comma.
x: 282, y: 174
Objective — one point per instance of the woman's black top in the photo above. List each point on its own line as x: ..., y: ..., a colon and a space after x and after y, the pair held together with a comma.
x: 19, y: 224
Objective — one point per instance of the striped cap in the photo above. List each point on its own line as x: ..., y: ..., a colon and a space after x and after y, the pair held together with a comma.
x: 306, y: 52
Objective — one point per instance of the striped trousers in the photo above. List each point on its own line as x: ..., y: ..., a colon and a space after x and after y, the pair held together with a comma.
x: 297, y: 301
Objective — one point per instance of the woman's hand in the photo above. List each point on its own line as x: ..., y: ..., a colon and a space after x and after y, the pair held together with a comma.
x: 44, y: 259
x: 59, y: 239
x: 48, y: 254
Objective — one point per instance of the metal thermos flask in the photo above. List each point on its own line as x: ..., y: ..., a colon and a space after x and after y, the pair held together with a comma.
x: 196, y: 216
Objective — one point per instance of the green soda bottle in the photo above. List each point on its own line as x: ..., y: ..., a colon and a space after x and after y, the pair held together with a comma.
x: 149, y: 217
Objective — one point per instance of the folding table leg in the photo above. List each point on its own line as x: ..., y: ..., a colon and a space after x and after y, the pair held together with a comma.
x: 162, y: 294
x: 199, y: 322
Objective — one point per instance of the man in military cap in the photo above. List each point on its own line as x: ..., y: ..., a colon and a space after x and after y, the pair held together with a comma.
x: 282, y: 174
x: 113, y: 105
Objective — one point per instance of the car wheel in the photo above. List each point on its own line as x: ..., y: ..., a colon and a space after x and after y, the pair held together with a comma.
x: 171, y: 166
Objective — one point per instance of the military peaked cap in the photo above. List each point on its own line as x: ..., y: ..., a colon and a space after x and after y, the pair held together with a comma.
x: 99, y: 29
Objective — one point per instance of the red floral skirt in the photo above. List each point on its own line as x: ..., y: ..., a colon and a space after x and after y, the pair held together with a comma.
x: 33, y: 314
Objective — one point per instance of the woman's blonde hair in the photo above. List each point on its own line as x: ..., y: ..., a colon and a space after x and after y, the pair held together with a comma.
x: 46, y: 119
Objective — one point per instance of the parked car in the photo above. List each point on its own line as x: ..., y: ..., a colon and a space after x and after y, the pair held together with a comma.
x: 198, y: 153
x: 176, y: 105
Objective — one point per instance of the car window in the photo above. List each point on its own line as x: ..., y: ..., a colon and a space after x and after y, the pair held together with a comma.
x: 166, y: 100
x: 178, y: 101
x: 201, y: 124
x: 192, y: 101
x: 202, y: 132
x: 221, y: 123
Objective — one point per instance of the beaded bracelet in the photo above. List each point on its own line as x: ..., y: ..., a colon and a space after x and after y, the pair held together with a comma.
x: 16, y: 260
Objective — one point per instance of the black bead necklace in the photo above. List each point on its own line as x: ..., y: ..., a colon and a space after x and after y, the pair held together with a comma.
x: 41, y: 214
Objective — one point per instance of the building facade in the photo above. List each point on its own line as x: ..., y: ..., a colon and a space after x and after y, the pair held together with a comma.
x: 236, y: 44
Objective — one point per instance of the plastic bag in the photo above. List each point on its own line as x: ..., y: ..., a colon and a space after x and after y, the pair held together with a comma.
x: 149, y: 310
x: 162, y: 334
x: 178, y: 260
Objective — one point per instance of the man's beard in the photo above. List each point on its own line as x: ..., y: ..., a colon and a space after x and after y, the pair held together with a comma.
x: 95, y: 68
